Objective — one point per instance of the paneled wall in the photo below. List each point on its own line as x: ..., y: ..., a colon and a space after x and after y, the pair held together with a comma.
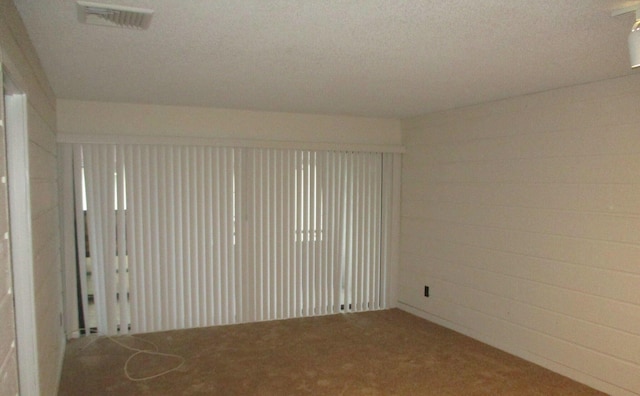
x: 523, y: 218
x: 21, y: 62
x: 46, y: 249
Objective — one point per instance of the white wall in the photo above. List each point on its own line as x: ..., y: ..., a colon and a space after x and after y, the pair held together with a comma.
x: 102, y: 118
x: 21, y: 62
x: 523, y: 217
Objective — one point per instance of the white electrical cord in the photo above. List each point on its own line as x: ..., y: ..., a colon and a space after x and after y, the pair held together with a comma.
x: 138, y: 351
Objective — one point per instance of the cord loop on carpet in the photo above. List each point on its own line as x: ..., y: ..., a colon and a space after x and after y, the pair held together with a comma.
x: 136, y: 352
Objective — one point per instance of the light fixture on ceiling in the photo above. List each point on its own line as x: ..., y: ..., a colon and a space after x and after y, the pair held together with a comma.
x: 634, y: 36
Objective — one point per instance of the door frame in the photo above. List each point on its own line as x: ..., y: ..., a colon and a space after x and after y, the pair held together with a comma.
x: 20, y: 235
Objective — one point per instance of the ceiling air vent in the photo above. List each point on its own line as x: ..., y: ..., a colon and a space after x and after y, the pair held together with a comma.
x: 113, y: 15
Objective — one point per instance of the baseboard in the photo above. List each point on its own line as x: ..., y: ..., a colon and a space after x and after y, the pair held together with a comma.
x: 533, y: 358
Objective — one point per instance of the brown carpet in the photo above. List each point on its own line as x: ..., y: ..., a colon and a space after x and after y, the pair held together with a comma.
x: 375, y: 353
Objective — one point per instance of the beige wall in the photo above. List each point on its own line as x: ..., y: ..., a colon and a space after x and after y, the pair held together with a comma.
x: 523, y: 217
x: 21, y: 62
x: 102, y: 118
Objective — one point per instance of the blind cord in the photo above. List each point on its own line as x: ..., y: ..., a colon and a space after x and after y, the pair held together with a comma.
x: 138, y: 351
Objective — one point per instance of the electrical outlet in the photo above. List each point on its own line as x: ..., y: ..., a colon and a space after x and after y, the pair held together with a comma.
x: 426, y: 291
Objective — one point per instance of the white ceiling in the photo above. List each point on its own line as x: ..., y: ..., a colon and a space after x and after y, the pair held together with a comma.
x: 385, y: 58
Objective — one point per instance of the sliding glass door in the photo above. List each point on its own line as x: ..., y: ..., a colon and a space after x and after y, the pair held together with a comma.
x: 183, y: 236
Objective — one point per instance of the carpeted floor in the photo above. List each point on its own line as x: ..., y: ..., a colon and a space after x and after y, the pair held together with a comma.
x: 375, y: 353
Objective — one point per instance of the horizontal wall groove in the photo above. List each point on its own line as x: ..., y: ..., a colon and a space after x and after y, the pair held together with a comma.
x: 434, y: 146
x: 604, y: 354
x: 404, y: 234
x: 523, y: 230
x: 524, y: 214
x: 604, y: 380
x: 35, y: 70
x: 513, y: 252
x: 533, y: 281
x: 41, y: 366
x: 541, y: 208
x: 410, y: 180
x: 546, y: 310
x: 429, y: 179
x: 25, y: 79
x: 518, y: 159
x: 532, y: 355
x: 435, y: 277
x: 53, y: 152
x: 46, y: 119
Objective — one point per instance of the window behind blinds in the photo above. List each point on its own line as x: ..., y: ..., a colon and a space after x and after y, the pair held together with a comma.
x: 195, y: 236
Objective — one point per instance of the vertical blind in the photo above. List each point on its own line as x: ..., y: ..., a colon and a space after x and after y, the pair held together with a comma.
x: 184, y: 236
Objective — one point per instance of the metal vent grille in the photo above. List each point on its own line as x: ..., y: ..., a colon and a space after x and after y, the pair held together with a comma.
x: 113, y: 15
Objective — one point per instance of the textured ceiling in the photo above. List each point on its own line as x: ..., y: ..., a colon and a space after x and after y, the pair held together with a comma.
x: 358, y: 57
